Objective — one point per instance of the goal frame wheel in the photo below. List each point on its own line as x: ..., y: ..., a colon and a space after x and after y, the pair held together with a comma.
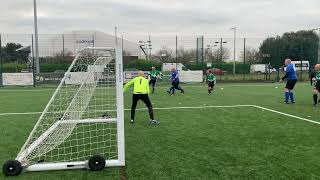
x: 12, y: 168
x: 97, y: 163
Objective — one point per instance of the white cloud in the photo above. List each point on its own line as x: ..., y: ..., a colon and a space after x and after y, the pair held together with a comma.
x: 252, y: 17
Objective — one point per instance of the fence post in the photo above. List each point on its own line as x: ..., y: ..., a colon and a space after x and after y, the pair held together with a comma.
x: 63, y: 47
x: 1, y: 63
x: 176, y: 51
x: 301, y: 56
x: 33, y: 68
x: 244, y: 58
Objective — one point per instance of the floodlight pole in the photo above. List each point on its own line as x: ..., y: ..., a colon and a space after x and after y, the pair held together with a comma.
x: 150, y: 47
x: 36, y: 35
x: 234, y: 49
x: 319, y: 46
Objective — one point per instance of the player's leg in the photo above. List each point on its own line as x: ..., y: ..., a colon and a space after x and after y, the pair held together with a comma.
x: 287, y: 91
x: 210, y: 87
x: 147, y: 102
x: 173, y: 88
x: 315, y: 96
x: 135, y: 99
x: 292, y: 84
x: 179, y: 87
x: 153, y: 83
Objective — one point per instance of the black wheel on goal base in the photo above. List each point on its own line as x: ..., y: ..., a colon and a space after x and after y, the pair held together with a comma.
x: 96, y: 163
x: 12, y: 168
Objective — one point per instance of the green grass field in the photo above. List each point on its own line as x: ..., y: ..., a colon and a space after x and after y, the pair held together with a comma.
x: 221, y: 141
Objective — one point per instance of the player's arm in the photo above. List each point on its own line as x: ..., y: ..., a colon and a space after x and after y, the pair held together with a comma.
x: 160, y: 75
x: 284, y: 77
x: 170, y: 78
x: 176, y: 77
x: 312, y: 78
x: 214, y: 79
x: 289, y: 69
x: 147, y: 88
x: 128, y: 85
x: 205, y: 79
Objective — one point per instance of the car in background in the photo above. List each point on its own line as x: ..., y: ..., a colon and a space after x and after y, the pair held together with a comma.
x: 218, y: 72
x: 262, y: 69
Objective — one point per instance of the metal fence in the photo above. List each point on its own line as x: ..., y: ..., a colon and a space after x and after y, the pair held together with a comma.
x: 233, y: 56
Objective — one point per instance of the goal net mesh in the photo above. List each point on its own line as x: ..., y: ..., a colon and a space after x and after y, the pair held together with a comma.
x: 80, y: 119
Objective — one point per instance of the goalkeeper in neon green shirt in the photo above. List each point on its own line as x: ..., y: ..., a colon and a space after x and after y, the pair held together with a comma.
x: 154, y: 75
x: 140, y: 92
x: 211, y: 80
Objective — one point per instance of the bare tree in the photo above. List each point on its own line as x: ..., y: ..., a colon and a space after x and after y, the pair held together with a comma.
x: 186, y: 56
x: 165, y: 54
x: 252, y: 56
x: 217, y: 55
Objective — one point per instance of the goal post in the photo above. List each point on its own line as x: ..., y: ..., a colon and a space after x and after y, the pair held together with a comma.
x: 82, y: 125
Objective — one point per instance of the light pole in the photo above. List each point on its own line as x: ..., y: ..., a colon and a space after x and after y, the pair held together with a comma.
x: 234, y: 48
x: 150, y: 47
x: 209, y: 49
x: 36, y: 35
x: 146, y: 48
x: 143, y: 48
x: 221, y: 53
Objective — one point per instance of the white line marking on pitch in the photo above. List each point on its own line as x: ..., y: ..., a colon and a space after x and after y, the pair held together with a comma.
x: 139, y: 109
x: 194, y: 107
x: 285, y: 114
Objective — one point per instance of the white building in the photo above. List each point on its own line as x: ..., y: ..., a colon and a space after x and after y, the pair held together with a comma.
x: 51, y: 45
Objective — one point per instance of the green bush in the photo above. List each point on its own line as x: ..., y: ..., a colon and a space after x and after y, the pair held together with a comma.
x: 12, y: 67
x: 142, y: 65
x: 53, y: 67
x: 146, y: 65
x: 240, y: 68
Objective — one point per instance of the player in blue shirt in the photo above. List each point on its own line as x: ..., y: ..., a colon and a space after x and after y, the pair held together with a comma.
x: 291, y: 77
x: 175, y: 82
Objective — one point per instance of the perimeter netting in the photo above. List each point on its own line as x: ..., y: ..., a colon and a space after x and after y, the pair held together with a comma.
x: 80, y: 119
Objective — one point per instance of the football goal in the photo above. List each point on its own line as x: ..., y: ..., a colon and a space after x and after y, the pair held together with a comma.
x: 82, y: 125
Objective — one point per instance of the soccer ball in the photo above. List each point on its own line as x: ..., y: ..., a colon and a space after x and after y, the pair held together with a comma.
x: 221, y: 88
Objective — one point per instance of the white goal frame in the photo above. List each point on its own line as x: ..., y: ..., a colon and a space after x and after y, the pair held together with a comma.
x: 119, y: 120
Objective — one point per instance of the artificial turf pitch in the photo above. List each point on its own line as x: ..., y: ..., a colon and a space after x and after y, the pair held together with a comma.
x: 221, y: 141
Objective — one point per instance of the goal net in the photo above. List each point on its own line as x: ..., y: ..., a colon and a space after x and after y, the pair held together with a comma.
x: 83, y: 118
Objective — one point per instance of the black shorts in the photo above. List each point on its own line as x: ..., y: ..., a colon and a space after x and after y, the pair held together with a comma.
x: 175, y: 84
x: 143, y: 97
x: 317, y: 86
x: 152, y: 82
x: 291, y: 83
x: 211, y: 84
